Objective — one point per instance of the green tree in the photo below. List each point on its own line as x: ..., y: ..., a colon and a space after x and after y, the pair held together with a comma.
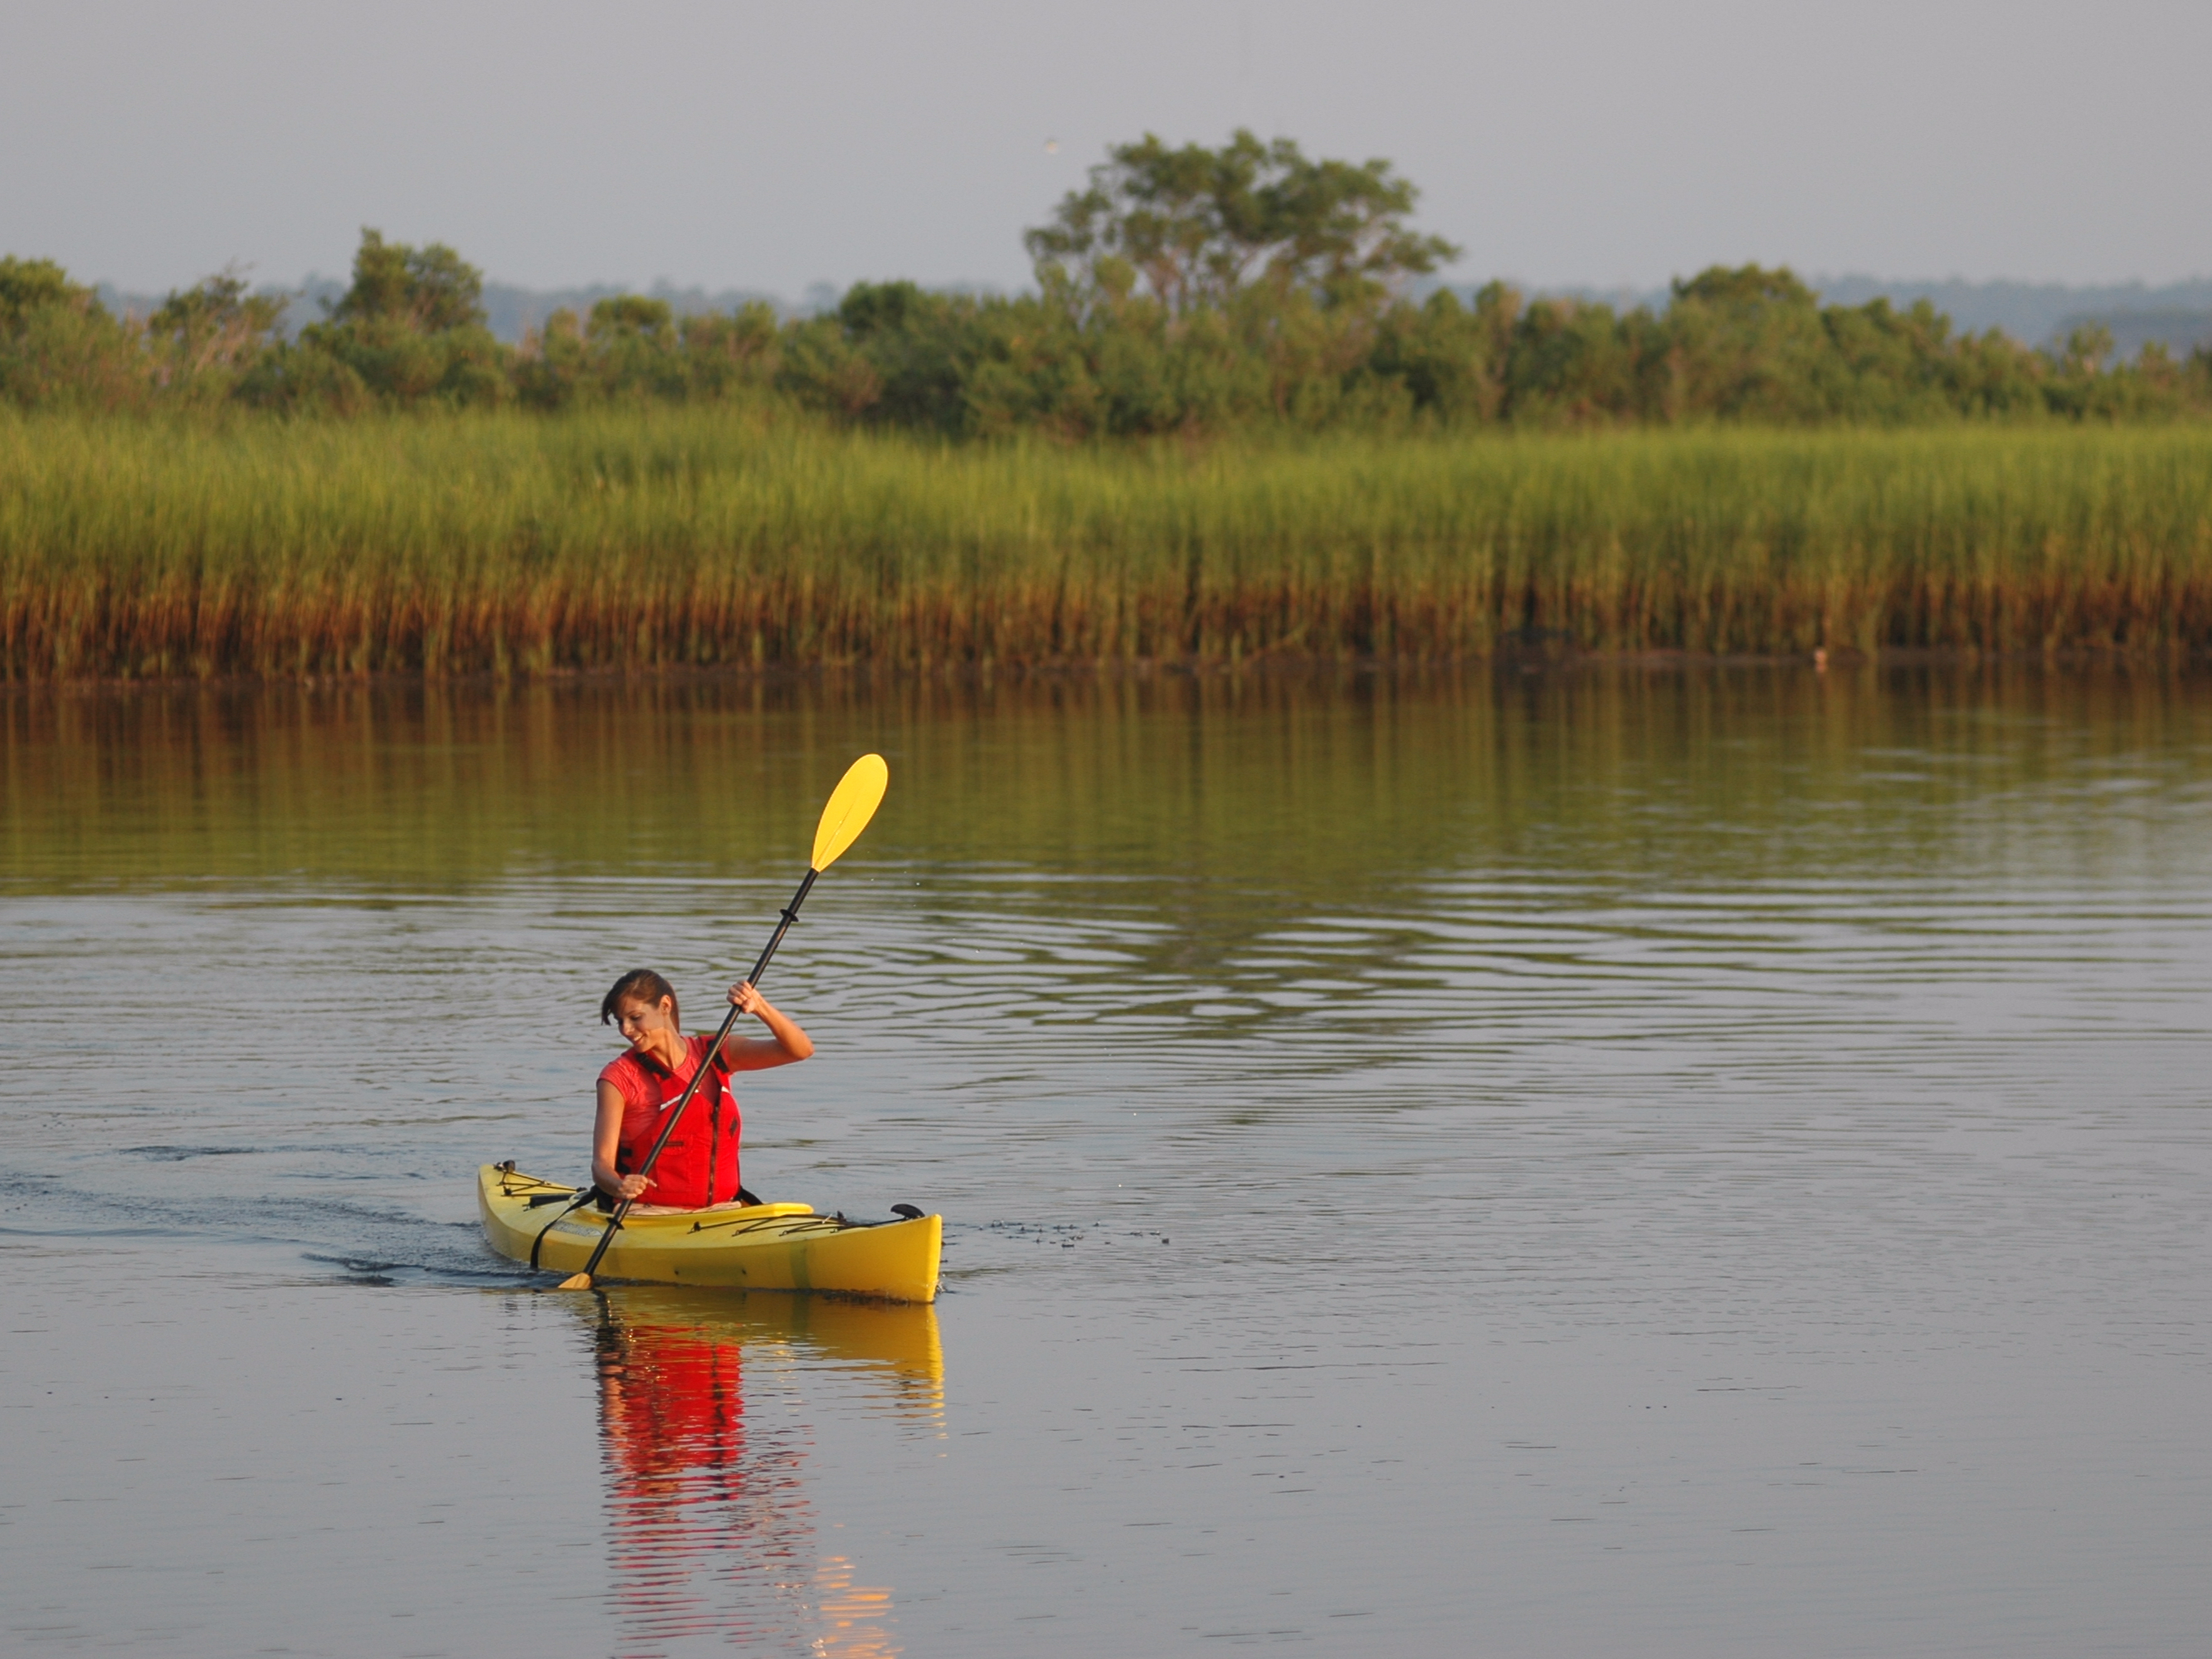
x: 2087, y: 348
x: 724, y: 355
x: 632, y: 316
x: 893, y: 352
x: 28, y: 287
x: 410, y: 327
x: 427, y: 291
x: 550, y: 371
x: 631, y: 342
x: 1196, y: 225
x: 217, y: 325
x: 1744, y: 343
x: 1575, y: 364
x: 1452, y: 357
x: 59, y: 345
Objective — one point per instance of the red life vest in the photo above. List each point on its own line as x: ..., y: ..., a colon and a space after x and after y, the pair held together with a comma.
x: 699, y: 1165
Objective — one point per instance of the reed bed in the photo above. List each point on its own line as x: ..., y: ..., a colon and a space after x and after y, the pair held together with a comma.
x: 646, y: 538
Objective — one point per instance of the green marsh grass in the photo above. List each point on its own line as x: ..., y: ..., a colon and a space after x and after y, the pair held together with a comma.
x: 644, y: 538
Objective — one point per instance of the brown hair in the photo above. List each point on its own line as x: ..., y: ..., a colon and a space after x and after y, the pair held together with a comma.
x: 648, y: 988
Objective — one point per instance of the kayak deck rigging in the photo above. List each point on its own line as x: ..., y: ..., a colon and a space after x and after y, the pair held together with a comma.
x: 780, y: 1247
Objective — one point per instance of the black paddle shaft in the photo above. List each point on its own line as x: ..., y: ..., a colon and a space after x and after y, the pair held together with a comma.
x: 790, y: 914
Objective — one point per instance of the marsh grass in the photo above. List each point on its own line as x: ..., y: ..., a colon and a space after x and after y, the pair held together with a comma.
x: 644, y: 538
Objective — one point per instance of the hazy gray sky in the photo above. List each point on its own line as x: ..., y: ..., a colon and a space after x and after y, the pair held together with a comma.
x: 738, y: 144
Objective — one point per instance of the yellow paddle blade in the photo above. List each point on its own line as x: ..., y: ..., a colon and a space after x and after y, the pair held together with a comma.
x: 576, y: 1282
x: 852, y: 804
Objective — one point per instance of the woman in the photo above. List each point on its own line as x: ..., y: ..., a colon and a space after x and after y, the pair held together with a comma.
x: 699, y: 1166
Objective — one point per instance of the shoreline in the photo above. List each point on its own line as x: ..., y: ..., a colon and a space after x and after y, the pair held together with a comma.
x: 1278, y: 667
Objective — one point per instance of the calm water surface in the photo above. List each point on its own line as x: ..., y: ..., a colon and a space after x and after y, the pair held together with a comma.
x: 1671, y: 1162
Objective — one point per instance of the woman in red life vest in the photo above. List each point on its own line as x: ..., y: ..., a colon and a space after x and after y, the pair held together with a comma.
x: 699, y: 1166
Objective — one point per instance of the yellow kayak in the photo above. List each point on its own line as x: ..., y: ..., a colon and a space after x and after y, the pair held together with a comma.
x: 760, y: 1246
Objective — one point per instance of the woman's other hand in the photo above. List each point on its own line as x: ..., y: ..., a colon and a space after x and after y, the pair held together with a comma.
x: 786, y: 1043
x: 633, y: 1187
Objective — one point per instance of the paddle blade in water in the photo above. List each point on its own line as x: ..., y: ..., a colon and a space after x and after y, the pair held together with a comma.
x: 852, y: 804
x: 576, y: 1282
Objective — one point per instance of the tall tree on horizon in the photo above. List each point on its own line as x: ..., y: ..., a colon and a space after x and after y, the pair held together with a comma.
x: 1197, y: 225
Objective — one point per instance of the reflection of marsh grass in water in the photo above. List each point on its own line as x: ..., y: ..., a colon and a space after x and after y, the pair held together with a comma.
x: 430, y: 788
x: 710, y: 1526
x: 1240, y: 850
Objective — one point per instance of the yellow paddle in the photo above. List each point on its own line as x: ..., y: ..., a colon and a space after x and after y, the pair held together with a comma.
x: 852, y: 804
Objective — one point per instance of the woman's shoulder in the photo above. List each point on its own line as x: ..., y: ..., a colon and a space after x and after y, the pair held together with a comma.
x: 626, y: 1072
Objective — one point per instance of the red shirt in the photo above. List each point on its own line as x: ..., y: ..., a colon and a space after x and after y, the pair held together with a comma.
x: 699, y: 1166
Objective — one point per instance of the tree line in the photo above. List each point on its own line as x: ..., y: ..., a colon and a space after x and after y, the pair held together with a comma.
x: 1183, y: 291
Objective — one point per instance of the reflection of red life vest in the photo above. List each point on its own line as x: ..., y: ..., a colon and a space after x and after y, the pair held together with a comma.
x: 672, y: 1401
x: 699, y: 1166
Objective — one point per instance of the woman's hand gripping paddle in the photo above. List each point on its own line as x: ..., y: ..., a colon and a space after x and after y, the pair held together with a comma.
x: 852, y: 804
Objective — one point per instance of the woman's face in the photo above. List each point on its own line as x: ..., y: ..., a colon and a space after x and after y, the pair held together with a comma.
x: 640, y: 1020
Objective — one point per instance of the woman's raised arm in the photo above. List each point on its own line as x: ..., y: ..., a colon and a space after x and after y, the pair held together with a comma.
x: 786, y: 1043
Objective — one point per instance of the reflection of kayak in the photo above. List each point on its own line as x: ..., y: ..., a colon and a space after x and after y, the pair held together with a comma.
x: 897, y: 1343
x: 900, y: 1341
x: 712, y: 1531
x: 761, y: 1247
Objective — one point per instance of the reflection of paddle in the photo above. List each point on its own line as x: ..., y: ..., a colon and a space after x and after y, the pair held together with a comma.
x: 852, y: 804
